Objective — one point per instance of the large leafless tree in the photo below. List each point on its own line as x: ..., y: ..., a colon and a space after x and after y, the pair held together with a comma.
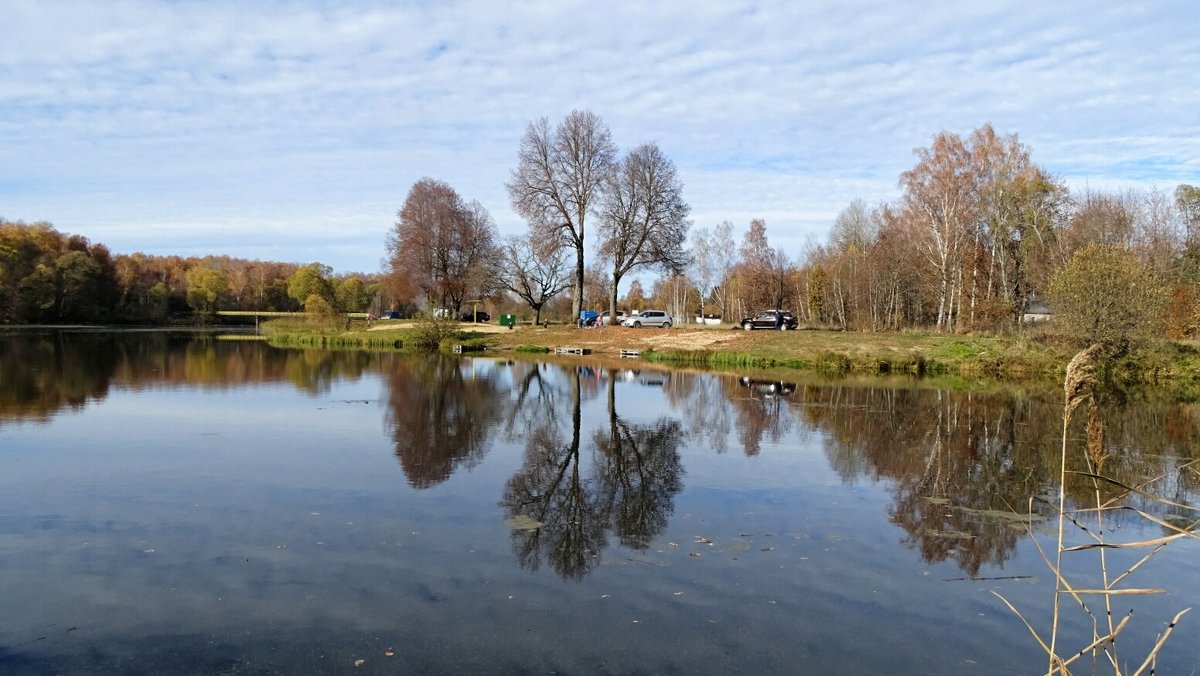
x: 442, y: 246
x: 560, y: 173
x: 644, y: 217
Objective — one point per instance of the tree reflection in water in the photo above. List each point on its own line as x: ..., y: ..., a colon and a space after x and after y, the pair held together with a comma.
x: 440, y: 416
x: 638, y: 473
x: 760, y: 411
x: 951, y: 460
x: 48, y: 371
x: 954, y: 462
x: 635, y: 473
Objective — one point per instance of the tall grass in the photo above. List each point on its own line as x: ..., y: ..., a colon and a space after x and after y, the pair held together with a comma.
x: 1080, y: 387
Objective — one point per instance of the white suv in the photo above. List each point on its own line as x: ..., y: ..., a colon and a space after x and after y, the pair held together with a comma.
x: 648, y: 318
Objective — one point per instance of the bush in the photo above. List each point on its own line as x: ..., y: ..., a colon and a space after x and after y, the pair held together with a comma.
x: 429, y: 332
x: 1106, y: 295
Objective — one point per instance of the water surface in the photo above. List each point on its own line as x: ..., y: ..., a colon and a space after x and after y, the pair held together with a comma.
x: 181, y: 504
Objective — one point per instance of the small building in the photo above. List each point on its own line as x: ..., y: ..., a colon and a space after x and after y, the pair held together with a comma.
x: 1036, y: 310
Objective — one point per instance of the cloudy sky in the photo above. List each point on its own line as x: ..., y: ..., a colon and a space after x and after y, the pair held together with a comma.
x: 292, y: 131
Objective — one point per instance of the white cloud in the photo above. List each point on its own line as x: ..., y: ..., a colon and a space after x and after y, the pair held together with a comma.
x: 293, y: 130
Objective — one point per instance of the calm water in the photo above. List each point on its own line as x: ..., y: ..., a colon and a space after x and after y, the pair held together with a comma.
x: 180, y: 504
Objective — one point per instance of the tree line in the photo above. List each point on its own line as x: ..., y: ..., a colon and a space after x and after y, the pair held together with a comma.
x: 979, y: 234
x: 49, y: 277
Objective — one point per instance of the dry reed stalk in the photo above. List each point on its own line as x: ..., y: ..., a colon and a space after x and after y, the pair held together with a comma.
x: 1079, y: 387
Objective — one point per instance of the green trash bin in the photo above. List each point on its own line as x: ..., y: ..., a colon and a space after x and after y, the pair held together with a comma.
x: 508, y: 320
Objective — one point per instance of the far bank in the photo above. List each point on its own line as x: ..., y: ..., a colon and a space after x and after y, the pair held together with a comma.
x: 1174, y: 365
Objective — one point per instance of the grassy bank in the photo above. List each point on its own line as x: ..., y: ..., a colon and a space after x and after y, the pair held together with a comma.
x: 1033, y: 356
x: 394, y: 336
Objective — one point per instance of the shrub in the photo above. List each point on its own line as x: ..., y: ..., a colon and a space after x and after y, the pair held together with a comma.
x: 429, y: 332
x: 1106, y: 295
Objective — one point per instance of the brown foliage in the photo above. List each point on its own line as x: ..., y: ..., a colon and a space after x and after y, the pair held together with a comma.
x: 442, y: 246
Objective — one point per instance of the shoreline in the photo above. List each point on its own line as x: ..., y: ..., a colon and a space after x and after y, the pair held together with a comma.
x: 1034, y: 356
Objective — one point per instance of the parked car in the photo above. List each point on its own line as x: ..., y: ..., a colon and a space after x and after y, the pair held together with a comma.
x: 771, y: 319
x: 648, y: 318
x: 603, y: 319
x: 480, y: 317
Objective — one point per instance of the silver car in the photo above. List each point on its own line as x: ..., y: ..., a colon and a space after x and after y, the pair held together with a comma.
x: 648, y: 318
x: 603, y: 320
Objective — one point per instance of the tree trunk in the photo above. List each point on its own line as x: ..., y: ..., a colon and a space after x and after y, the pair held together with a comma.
x: 612, y: 300
x: 577, y: 301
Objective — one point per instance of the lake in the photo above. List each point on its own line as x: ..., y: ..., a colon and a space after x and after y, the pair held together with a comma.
x: 182, y: 503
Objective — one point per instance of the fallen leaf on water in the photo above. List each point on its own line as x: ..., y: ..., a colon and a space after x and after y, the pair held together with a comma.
x: 522, y: 522
x: 359, y: 663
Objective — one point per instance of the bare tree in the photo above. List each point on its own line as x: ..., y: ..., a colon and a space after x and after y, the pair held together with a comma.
x: 846, y: 261
x: 644, y: 218
x: 758, y: 270
x: 702, y: 270
x: 1187, y: 200
x: 442, y: 246
x: 724, y: 256
x: 713, y: 256
x: 560, y: 172
x: 534, y: 275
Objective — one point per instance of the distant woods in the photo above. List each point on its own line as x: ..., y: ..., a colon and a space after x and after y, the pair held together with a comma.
x: 49, y: 277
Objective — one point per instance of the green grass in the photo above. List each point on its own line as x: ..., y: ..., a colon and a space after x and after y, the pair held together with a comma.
x: 531, y: 349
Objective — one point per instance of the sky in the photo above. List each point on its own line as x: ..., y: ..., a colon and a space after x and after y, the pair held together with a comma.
x: 292, y: 131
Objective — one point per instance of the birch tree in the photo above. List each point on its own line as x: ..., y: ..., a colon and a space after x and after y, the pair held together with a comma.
x: 713, y: 255
x: 939, y: 200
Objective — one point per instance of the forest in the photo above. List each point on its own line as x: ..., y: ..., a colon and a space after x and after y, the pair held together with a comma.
x: 50, y: 277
